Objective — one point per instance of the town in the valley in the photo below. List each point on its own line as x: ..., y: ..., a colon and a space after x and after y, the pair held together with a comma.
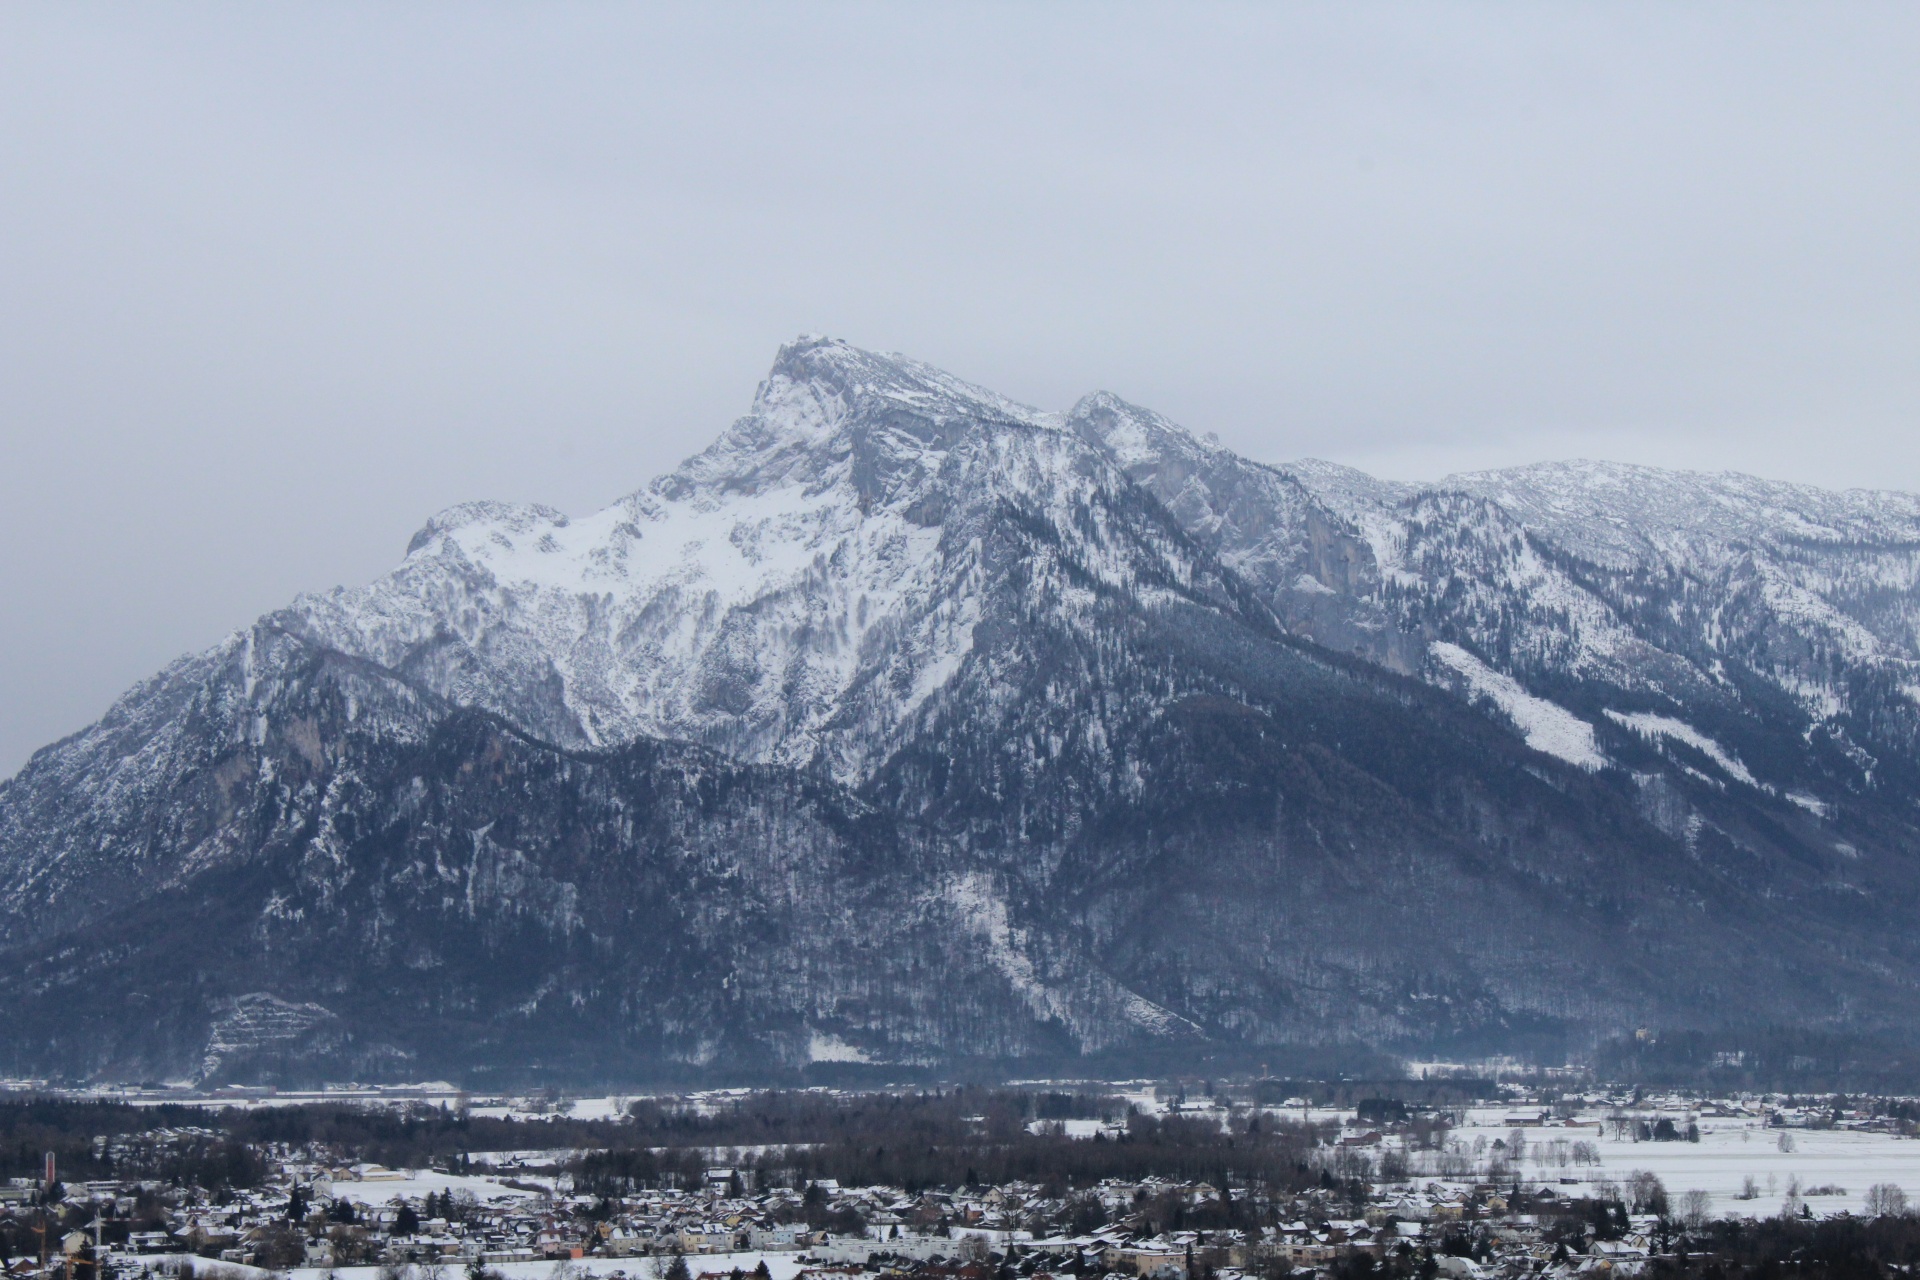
x: 1158, y: 1182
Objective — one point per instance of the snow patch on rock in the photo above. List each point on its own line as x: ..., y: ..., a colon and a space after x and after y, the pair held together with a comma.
x: 1649, y: 725
x: 1548, y: 727
x: 1811, y: 803
x: 824, y: 1046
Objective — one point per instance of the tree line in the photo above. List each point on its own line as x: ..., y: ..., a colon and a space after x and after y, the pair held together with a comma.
x: 962, y: 1137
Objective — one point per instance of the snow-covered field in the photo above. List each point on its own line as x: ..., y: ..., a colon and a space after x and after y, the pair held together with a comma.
x: 418, y: 1183
x: 1731, y: 1150
x: 604, y: 1108
x: 1067, y: 1128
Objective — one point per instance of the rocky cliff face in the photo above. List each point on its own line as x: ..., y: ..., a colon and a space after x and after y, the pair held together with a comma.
x: 909, y: 725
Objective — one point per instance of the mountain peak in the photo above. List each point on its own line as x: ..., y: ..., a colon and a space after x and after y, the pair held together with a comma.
x: 826, y: 403
x: 1135, y: 437
x: 833, y: 369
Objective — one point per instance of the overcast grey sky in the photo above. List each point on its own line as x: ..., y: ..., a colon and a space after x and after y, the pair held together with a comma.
x: 279, y: 281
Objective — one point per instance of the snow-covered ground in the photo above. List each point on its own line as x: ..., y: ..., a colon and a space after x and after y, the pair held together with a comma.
x: 601, y: 1108
x: 1068, y: 1128
x: 418, y: 1183
x: 782, y: 1266
x: 1729, y: 1151
x: 435, y: 1093
x: 1547, y: 726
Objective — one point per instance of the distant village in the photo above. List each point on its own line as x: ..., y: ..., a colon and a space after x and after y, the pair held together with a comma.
x: 1525, y: 1188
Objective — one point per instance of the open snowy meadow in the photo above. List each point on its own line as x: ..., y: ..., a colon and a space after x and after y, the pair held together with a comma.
x: 1830, y: 1169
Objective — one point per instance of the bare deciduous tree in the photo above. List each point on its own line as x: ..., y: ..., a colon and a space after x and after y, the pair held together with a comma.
x: 1885, y: 1200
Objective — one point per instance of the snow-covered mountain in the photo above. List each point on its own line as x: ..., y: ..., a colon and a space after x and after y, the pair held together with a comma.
x: 908, y: 724
x: 1766, y: 611
x: 794, y: 594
